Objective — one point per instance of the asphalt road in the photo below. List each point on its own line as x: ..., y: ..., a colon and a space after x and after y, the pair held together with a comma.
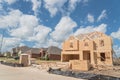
x: 28, y: 73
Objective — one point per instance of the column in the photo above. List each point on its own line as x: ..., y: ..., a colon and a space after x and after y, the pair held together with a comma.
x: 92, y: 56
x: 111, y: 57
x: 81, y: 55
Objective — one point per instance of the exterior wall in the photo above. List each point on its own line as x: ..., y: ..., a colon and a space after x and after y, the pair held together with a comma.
x: 93, y: 46
x: 66, y: 46
x: 78, y: 65
x: 83, y: 43
x: 35, y: 55
x: 54, y: 57
x: 108, y: 59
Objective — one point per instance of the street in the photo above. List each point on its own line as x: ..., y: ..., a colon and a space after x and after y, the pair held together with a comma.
x: 28, y: 73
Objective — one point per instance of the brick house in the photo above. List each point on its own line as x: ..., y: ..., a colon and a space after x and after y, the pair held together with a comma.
x: 34, y: 52
x: 54, y: 53
x: 19, y: 50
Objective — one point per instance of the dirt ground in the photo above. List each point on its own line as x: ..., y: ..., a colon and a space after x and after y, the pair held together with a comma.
x: 39, y: 72
x: 114, y: 71
x: 28, y: 73
x: 110, y: 71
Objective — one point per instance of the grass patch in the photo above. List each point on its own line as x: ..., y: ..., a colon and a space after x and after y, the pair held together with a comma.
x: 46, y: 61
x: 10, y: 60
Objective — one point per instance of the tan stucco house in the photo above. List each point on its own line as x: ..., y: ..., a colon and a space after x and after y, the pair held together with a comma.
x: 95, y: 47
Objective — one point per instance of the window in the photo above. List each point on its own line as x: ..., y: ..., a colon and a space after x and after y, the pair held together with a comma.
x: 102, y: 56
x: 86, y: 44
x: 71, y: 45
x: 101, y: 43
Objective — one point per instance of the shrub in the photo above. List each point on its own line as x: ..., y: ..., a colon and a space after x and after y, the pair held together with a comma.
x: 16, y: 57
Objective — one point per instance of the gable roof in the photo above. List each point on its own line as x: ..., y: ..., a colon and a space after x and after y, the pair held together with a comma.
x: 22, y: 49
x: 91, y: 36
x: 34, y: 51
x: 54, y: 50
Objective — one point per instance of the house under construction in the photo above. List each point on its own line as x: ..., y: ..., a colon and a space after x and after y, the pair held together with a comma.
x: 88, y: 50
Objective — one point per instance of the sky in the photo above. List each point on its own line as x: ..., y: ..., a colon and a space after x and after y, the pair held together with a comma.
x: 43, y: 23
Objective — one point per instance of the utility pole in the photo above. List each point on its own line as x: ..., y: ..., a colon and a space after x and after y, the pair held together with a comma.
x: 1, y: 42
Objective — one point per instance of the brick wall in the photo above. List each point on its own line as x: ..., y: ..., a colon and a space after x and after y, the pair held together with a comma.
x: 54, y: 57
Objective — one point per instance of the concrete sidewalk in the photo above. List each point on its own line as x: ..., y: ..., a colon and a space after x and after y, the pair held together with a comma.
x: 28, y: 73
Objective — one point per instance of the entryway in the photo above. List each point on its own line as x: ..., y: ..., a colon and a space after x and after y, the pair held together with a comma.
x: 86, y: 55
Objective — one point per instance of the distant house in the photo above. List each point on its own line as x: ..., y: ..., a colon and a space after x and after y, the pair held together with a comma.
x: 54, y: 53
x: 1, y: 55
x: 34, y: 52
x: 7, y: 54
x: 43, y: 52
x: 19, y: 50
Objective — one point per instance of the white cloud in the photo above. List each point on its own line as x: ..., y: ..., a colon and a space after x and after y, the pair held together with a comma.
x: 63, y: 29
x: 88, y: 29
x: 90, y: 18
x: 10, y: 20
x: 40, y: 34
x: 10, y: 1
x: 24, y: 27
x: 5, y: 6
x: 72, y: 4
x: 116, y: 34
x: 27, y: 23
x: 54, y: 6
x: 49, y: 42
x: 116, y: 50
x: 22, y: 44
x: 101, y: 28
x: 9, y: 43
x: 102, y: 15
x: 36, y: 5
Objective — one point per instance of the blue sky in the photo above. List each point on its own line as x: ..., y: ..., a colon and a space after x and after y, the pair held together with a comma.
x: 42, y: 23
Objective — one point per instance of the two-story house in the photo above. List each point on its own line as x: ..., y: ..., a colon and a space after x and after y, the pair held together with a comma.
x: 95, y: 47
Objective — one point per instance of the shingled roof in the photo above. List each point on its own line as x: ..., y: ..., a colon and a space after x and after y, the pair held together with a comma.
x: 22, y: 49
x: 54, y: 50
x: 35, y: 50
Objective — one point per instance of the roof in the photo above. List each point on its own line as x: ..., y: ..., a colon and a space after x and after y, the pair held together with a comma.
x: 22, y: 48
x: 92, y: 35
x: 44, y: 49
x: 54, y: 50
x: 35, y: 50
